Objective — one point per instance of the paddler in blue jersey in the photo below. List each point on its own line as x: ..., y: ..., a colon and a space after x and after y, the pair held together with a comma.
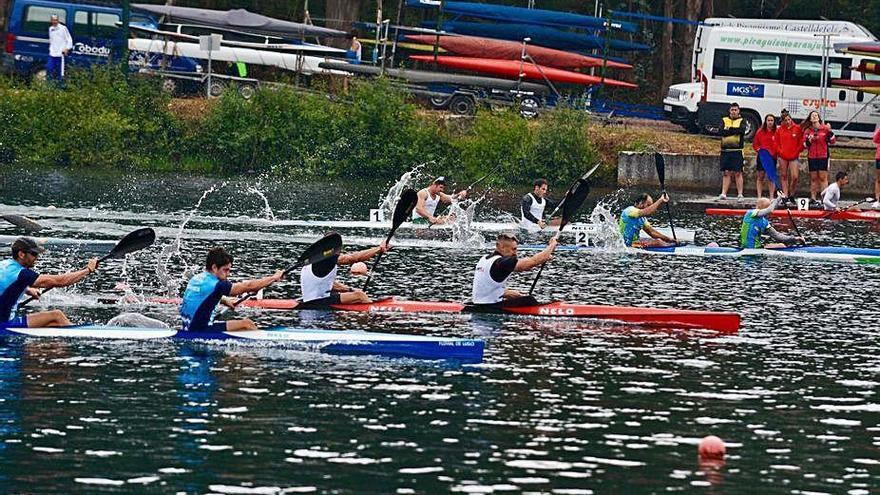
x: 757, y: 221
x: 206, y: 290
x: 633, y: 220
x: 429, y: 199
x: 17, y: 277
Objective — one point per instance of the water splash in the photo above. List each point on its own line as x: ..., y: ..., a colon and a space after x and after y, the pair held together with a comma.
x: 607, y: 234
x: 174, y: 250
x: 267, y: 210
x: 461, y: 214
x: 407, y: 180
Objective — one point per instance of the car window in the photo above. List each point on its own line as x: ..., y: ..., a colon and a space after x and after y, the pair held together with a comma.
x: 36, y: 18
x: 80, y: 24
x: 104, y: 25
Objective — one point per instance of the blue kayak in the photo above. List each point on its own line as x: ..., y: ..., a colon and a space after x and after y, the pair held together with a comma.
x: 540, y: 35
x: 523, y: 15
x: 328, y: 341
x: 829, y: 253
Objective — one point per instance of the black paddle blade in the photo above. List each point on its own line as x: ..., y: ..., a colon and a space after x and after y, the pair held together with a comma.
x: 660, y: 163
x: 574, y: 198
x: 23, y: 222
x: 133, y: 241
x: 403, y: 209
x: 325, y: 247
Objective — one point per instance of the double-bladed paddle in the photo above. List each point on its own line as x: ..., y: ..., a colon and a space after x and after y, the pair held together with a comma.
x: 850, y: 207
x: 132, y: 242
x: 22, y: 221
x: 574, y: 198
x: 769, y: 166
x: 585, y: 176
x: 402, y: 211
x: 328, y: 246
x: 660, y: 164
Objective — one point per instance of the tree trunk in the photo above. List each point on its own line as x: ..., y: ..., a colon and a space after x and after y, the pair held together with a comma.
x: 667, y: 69
x: 341, y: 13
x: 685, y: 53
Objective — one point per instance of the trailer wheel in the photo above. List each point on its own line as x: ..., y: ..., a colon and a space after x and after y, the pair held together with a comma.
x: 462, y: 105
x: 247, y: 90
x: 439, y: 102
x: 528, y: 107
x: 217, y: 88
x: 169, y: 86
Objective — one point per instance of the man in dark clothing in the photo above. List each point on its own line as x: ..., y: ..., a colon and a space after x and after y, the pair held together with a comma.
x: 732, y: 137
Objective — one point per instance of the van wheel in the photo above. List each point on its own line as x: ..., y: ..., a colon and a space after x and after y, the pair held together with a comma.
x: 247, y: 90
x: 169, y: 86
x: 39, y: 77
x: 462, y: 105
x: 751, y: 122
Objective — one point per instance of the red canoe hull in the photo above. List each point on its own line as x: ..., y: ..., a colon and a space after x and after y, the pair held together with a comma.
x: 511, y: 69
x: 475, y: 46
x: 649, y: 317
x: 863, y: 215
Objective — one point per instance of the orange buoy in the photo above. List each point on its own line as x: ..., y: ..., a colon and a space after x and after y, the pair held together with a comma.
x: 712, y: 447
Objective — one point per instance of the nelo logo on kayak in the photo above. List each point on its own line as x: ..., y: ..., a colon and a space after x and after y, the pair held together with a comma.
x: 556, y: 311
x: 386, y: 309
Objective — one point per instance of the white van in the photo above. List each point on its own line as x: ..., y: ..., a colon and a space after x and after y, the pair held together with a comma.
x: 768, y: 65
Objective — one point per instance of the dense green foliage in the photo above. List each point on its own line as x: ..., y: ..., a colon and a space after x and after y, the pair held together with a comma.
x: 101, y: 120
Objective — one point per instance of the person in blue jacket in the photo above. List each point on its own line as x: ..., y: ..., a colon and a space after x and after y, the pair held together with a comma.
x: 18, y: 278
x: 207, y: 289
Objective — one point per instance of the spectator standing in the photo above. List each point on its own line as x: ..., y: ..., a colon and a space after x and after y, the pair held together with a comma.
x: 732, y: 136
x: 765, y: 139
x: 789, y: 144
x: 60, y: 44
x: 817, y: 137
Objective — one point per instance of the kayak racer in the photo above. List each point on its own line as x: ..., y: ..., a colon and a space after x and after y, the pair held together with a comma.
x: 429, y: 199
x: 320, y: 287
x: 756, y: 222
x: 17, y: 277
x: 633, y: 219
x: 493, y: 272
x: 532, y: 206
x: 206, y: 290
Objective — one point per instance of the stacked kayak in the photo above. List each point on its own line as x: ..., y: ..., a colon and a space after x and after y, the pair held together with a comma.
x: 863, y: 215
x: 648, y: 317
x: 328, y: 341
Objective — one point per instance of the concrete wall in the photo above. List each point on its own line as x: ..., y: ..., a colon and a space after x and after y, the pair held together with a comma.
x: 702, y: 173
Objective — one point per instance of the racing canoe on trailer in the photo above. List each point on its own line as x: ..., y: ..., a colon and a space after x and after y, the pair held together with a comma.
x: 475, y: 46
x: 863, y: 215
x: 328, y: 341
x: 649, y: 317
x: 513, y: 69
x: 540, y: 35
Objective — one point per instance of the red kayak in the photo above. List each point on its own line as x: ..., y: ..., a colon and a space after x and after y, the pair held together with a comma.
x: 511, y: 68
x: 866, y: 86
x: 863, y: 215
x: 475, y: 46
x: 651, y: 317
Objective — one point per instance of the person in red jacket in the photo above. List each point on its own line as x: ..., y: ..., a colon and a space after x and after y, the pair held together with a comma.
x: 789, y: 144
x: 817, y: 137
x: 765, y: 139
x: 876, y: 204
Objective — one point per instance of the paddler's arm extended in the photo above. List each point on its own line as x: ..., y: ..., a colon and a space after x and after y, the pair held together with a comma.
x: 363, y: 255
x: 649, y: 210
x: 783, y: 238
x: 254, y: 285
x: 544, y: 256
x: 65, y: 279
x: 768, y: 210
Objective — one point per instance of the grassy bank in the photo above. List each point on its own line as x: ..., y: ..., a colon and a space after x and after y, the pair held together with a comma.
x: 103, y: 121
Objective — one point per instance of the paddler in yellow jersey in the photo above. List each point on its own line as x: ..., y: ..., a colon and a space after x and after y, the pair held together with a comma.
x: 429, y: 199
x: 633, y: 220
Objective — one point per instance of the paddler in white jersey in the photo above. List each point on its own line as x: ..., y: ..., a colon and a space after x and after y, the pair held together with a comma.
x: 320, y: 287
x: 494, y: 270
x: 532, y: 206
x: 429, y: 199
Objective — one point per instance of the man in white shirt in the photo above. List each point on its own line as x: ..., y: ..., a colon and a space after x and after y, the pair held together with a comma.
x: 60, y: 44
x: 831, y: 194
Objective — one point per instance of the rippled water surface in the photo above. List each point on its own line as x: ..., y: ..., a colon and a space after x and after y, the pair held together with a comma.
x: 558, y: 406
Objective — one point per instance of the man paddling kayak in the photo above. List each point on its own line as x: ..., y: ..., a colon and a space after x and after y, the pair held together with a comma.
x: 532, y: 206
x: 494, y: 270
x: 757, y: 221
x: 429, y: 199
x: 17, y: 277
x: 207, y: 289
x: 633, y: 220
x: 318, y: 280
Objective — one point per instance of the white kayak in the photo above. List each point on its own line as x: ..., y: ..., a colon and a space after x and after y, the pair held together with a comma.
x: 329, y: 341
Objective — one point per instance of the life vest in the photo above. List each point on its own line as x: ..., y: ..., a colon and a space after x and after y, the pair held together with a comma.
x: 751, y: 230
x: 485, y: 289
x: 735, y: 142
